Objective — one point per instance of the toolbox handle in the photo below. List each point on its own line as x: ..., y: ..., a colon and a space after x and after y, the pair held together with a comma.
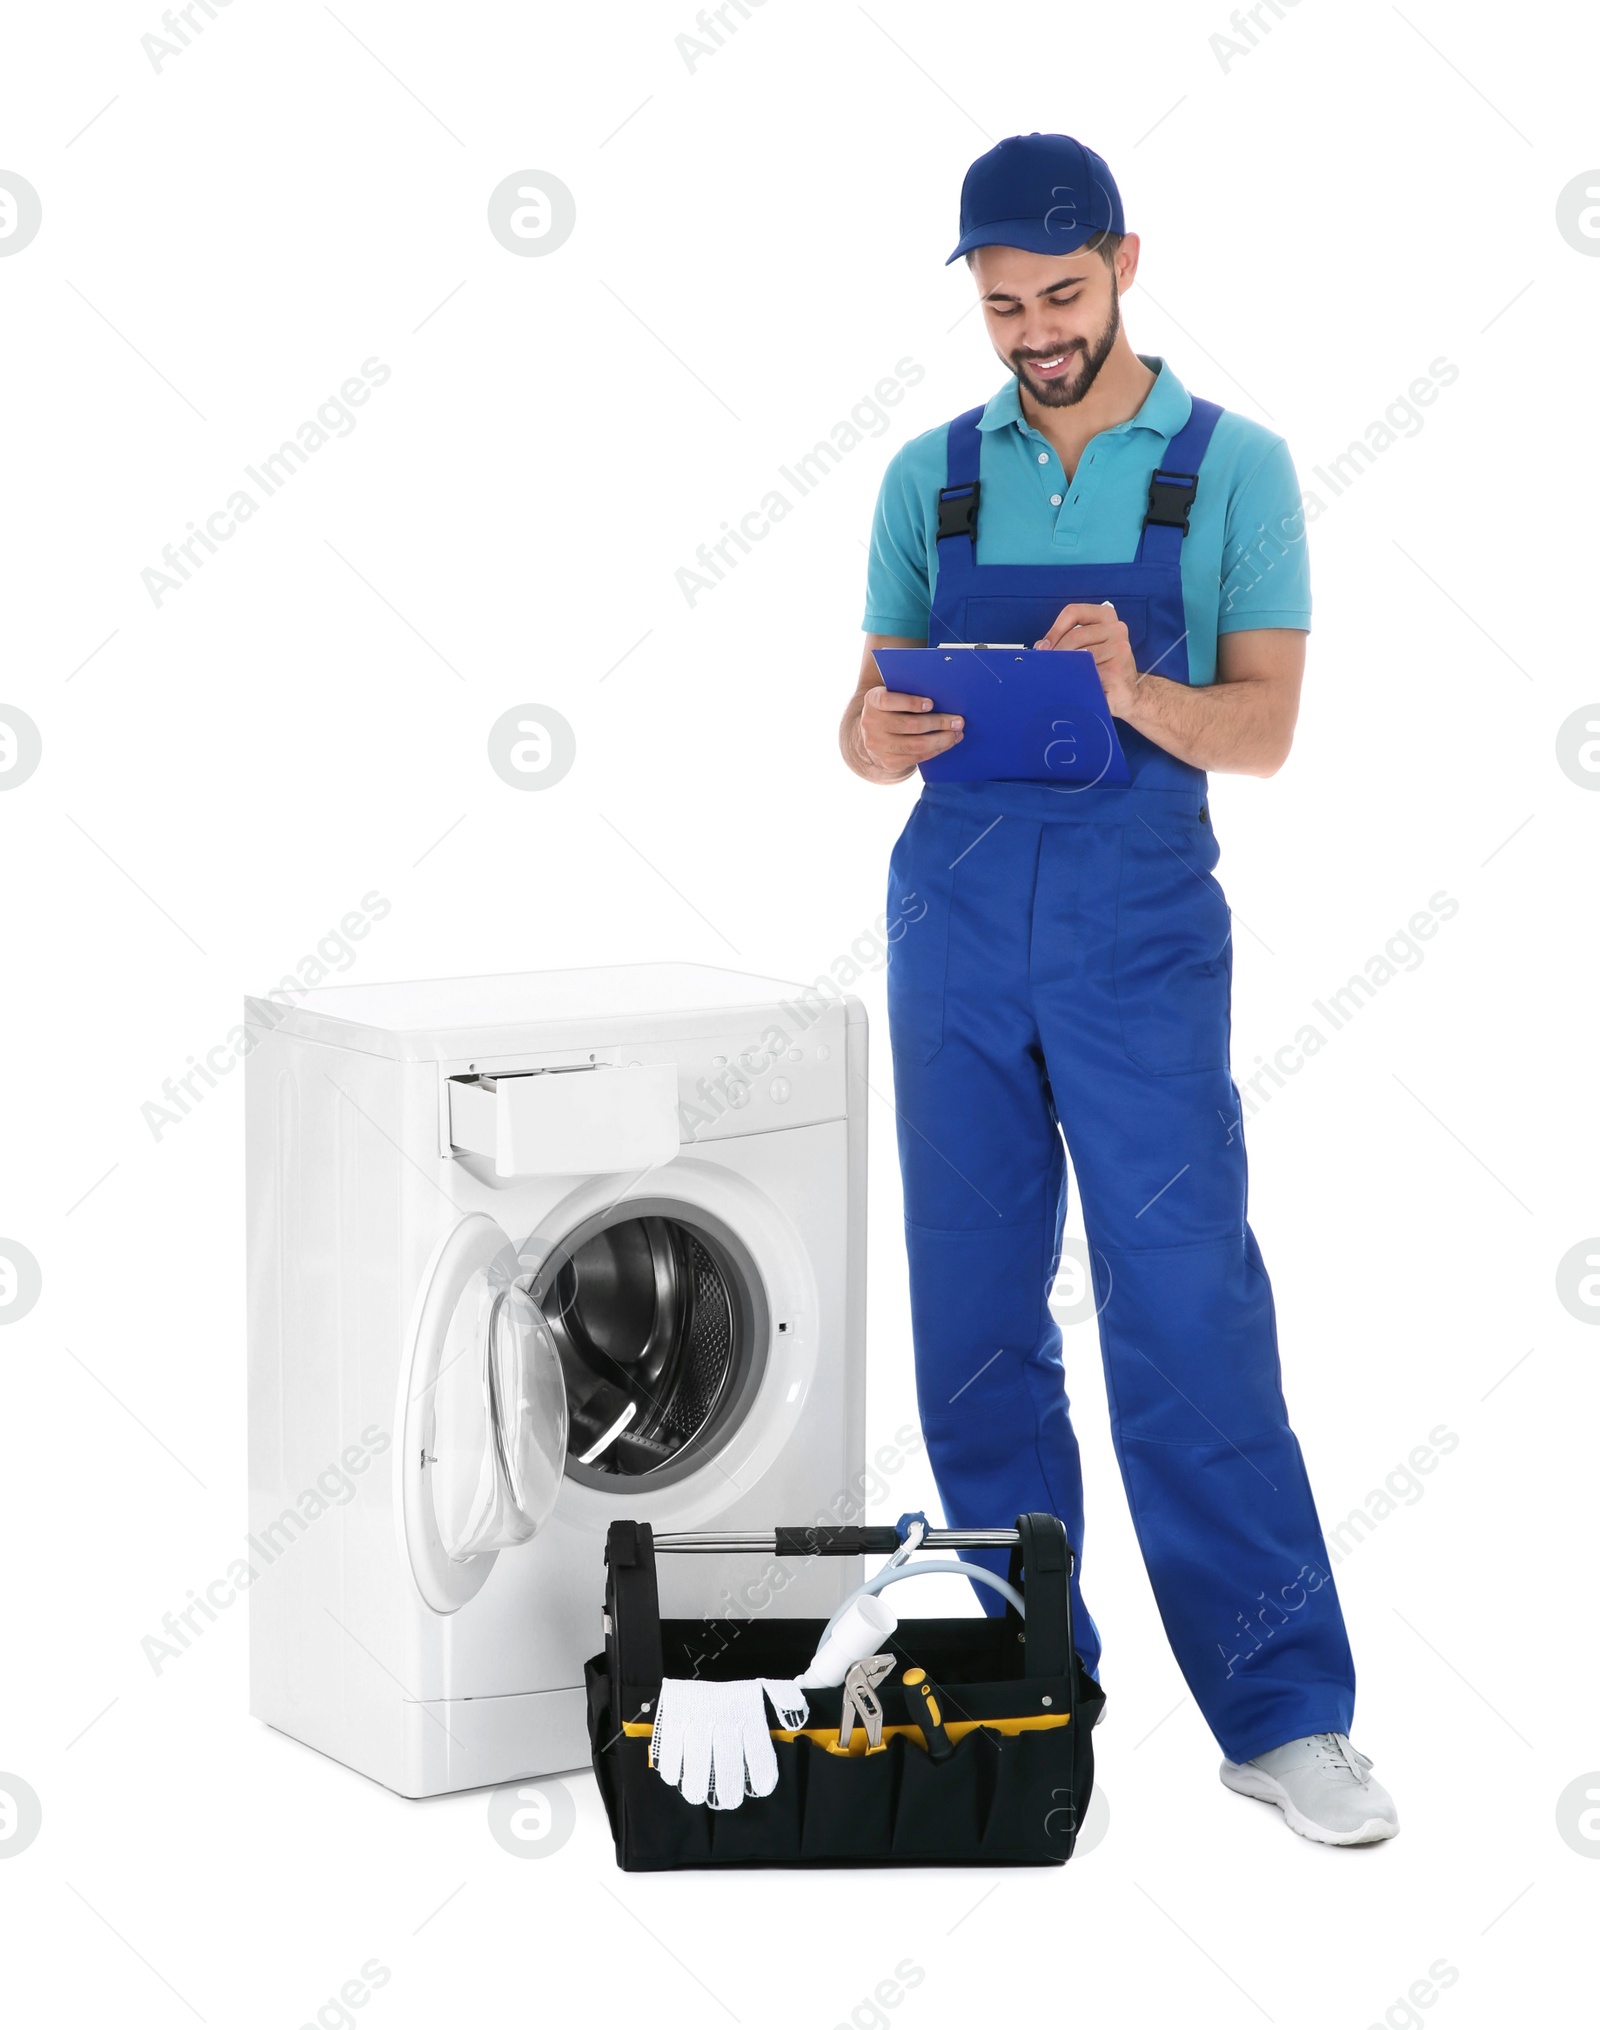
x: 830, y: 1540
x: 1041, y: 1563
x: 824, y: 1540
x: 633, y: 1619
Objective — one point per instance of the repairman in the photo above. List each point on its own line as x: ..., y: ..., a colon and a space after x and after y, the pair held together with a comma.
x: 1063, y: 968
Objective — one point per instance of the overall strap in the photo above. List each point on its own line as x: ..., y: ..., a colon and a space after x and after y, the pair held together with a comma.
x: 958, y: 497
x: 1173, y: 485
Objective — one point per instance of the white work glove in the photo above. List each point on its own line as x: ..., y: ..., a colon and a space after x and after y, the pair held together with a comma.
x: 711, y: 1741
x: 760, y: 1757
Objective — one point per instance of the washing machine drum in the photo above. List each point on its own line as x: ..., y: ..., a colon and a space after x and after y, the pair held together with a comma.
x: 651, y: 1323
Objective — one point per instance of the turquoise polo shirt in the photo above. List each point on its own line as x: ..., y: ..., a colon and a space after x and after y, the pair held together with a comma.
x: 1244, y: 558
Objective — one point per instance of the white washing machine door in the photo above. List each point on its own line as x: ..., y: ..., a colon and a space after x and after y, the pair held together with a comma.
x: 484, y: 1416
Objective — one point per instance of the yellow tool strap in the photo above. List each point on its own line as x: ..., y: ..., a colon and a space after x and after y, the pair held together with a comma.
x: 1026, y: 1723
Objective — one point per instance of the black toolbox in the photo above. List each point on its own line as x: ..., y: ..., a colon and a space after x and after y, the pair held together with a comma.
x: 1018, y: 1706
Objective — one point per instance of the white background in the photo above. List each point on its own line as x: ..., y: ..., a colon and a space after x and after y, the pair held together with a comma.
x: 759, y: 240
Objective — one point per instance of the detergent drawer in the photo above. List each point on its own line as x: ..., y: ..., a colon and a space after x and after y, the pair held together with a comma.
x: 568, y: 1122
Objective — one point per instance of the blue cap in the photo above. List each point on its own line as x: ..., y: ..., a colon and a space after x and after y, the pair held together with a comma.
x: 1045, y: 193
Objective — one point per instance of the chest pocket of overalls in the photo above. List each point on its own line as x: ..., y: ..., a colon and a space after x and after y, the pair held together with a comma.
x: 1174, y: 943
x: 990, y: 617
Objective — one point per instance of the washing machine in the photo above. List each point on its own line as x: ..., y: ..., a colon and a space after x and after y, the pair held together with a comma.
x: 527, y: 1254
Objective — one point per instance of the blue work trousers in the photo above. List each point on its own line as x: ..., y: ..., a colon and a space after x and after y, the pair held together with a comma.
x: 1062, y: 966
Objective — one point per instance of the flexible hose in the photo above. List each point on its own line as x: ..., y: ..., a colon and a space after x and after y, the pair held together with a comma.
x: 891, y: 1574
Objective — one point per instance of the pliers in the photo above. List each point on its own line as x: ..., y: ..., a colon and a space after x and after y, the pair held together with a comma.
x: 859, y: 1698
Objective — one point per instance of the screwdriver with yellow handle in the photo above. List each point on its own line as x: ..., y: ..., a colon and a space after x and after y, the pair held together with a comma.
x: 924, y: 1704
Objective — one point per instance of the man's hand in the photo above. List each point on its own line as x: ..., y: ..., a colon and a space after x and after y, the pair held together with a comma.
x: 1097, y: 629
x: 1243, y: 723
x: 898, y: 730
x: 885, y: 733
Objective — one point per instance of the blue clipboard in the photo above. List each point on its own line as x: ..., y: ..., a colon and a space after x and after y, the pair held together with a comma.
x: 1032, y: 715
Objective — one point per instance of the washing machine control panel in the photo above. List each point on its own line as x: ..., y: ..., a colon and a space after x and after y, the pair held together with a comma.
x: 784, y: 1077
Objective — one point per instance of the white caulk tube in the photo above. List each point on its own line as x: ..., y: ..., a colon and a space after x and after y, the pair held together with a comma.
x: 860, y: 1631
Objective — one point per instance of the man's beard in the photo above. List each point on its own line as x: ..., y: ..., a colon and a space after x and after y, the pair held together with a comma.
x: 1071, y: 387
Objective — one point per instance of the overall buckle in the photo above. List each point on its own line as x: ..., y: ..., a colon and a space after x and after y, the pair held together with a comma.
x: 958, y: 511
x: 1171, y: 497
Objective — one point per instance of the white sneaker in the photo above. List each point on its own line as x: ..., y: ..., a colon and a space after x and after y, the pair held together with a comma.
x: 1324, y: 1788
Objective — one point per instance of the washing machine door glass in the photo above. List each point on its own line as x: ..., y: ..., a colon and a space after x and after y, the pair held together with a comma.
x: 654, y: 1318
x: 494, y: 1434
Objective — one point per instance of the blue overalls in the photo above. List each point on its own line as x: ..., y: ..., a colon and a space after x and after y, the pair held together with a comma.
x: 1062, y: 964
